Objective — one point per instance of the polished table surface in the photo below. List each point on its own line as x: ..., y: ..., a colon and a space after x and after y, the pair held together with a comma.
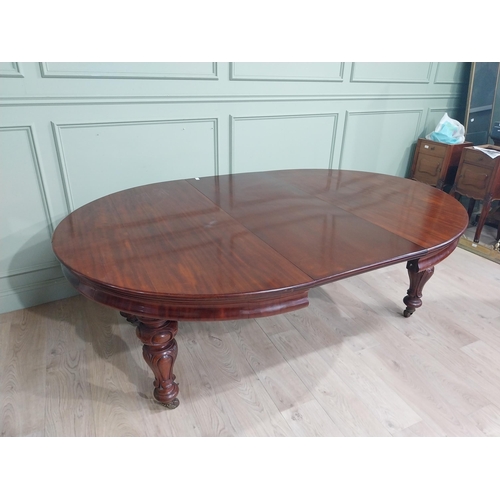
x: 246, y: 246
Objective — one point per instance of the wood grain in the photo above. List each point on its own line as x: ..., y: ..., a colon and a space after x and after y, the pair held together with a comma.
x: 349, y: 365
x: 388, y: 406
x: 341, y: 403
x: 292, y: 398
x: 67, y: 391
x: 22, y: 384
x: 487, y: 420
x: 249, y: 245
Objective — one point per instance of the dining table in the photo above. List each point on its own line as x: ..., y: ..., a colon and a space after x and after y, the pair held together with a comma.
x: 248, y: 245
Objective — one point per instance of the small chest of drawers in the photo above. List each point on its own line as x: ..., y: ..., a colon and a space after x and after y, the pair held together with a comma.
x: 436, y: 163
x: 478, y: 177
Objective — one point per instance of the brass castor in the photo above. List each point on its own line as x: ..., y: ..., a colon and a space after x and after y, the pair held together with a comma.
x: 172, y: 405
x: 408, y: 312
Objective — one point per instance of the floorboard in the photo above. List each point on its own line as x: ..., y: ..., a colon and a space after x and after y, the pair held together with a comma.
x: 347, y: 365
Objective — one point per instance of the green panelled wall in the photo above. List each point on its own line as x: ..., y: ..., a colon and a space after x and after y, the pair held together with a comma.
x: 73, y: 132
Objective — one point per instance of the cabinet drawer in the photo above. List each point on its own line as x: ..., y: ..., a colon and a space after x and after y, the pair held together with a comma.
x: 473, y: 180
x: 478, y: 158
x: 432, y: 148
x: 428, y: 169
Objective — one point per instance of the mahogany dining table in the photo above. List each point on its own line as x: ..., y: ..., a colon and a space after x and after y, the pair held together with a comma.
x: 247, y: 245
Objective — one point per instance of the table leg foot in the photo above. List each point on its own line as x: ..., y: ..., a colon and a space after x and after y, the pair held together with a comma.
x: 417, y: 281
x: 172, y: 405
x: 408, y: 312
x: 160, y: 352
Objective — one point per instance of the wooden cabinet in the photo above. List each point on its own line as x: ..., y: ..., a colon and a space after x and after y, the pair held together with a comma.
x: 436, y: 163
x: 478, y: 177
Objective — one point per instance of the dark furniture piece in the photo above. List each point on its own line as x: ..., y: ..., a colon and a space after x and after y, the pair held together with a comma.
x: 247, y: 246
x: 436, y: 163
x: 483, y: 102
x: 478, y: 178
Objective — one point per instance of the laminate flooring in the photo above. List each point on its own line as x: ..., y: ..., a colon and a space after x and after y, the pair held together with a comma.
x: 349, y: 364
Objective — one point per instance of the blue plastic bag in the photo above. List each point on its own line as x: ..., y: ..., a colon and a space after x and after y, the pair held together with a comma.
x: 449, y: 131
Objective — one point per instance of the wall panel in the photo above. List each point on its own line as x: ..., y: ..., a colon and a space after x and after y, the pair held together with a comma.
x: 10, y: 69
x: 160, y: 70
x: 282, y: 71
x: 434, y: 116
x: 450, y: 72
x: 97, y: 159
x: 388, y: 150
x: 282, y: 142
x: 391, y: 72
x: 28, y: 268
x: 25, y: 225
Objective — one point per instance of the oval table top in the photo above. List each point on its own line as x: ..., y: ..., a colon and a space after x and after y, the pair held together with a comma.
x: 248, y: 245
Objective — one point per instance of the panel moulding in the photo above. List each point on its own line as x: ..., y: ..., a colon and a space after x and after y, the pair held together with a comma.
x: 419, y: 111
x: 234, y: 76
x: 46, y: 72
x: 453, y: 112
x: 15, y: 72
x: 56, y: 129
x: 390, y: 80
x: 99, y: 101
x: 43, y: 193
x: 441, y: 82
x: 31, y: 269
x: 234, y: 119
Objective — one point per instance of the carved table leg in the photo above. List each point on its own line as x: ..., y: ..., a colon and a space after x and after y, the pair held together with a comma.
x: 160, y: 351
x: 417, y: 281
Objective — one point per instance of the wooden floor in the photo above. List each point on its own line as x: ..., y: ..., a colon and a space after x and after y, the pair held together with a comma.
x: 348, y: 365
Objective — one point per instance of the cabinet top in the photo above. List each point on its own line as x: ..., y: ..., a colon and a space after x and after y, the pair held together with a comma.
x: 486, y: 146
x: 461, y: 145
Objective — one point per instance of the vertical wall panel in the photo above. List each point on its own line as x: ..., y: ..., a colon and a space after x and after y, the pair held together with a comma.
x: 380, y: 141
x: 25, y: 227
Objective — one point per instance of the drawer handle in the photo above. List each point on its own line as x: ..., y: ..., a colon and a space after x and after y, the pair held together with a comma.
x: 426, y: 146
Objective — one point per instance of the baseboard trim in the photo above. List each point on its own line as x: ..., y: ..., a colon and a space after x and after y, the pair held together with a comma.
x: 36, y: 294
x: 481, y: 250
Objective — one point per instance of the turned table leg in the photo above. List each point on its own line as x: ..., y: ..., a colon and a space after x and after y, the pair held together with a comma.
x: 417, y: 281
x: 160, y: 351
